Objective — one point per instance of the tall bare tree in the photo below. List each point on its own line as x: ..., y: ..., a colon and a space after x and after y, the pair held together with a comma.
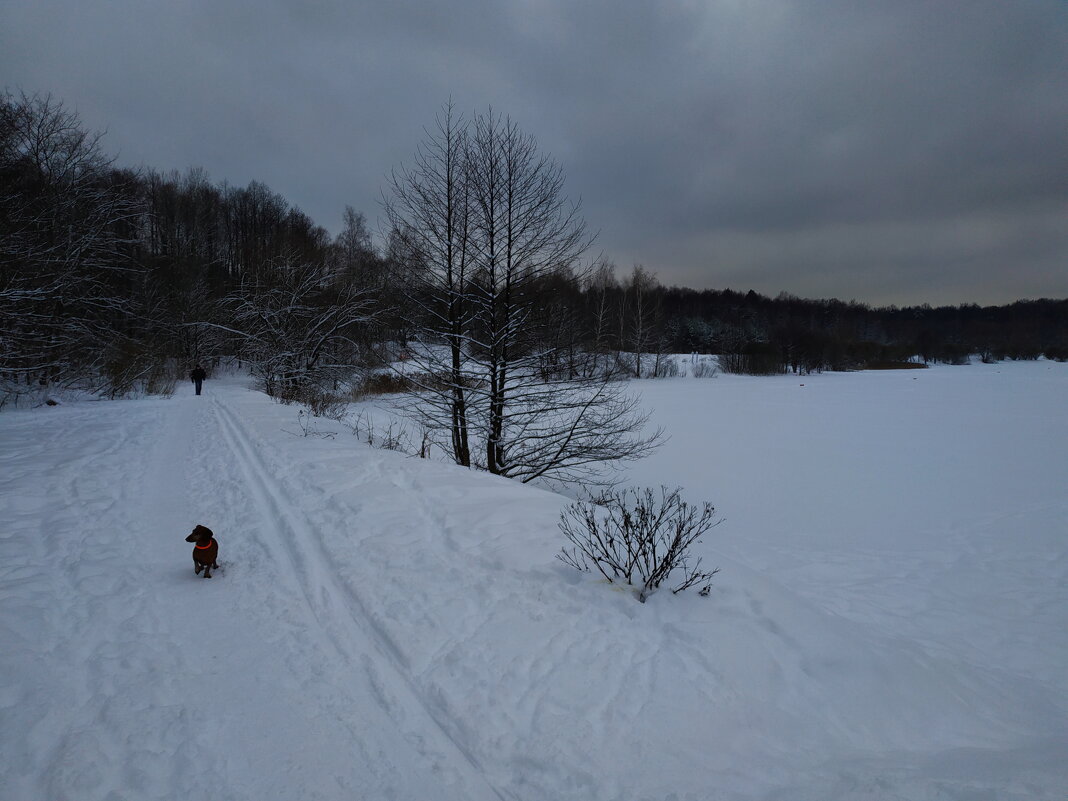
x: 526, y: 231
x: 600, y: 286
x: 639, y: 315
x: 500, y: 245
x: 429, y: 211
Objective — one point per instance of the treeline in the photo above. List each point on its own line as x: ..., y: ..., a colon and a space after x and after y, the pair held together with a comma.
x: 788, y: 333
x: 120, y: 280
x: 638, y: 321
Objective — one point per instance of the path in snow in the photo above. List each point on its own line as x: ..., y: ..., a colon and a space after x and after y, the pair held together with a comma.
x: 154, y: 685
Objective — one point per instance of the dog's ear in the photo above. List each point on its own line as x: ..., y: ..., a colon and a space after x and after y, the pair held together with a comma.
x: 203, y: 532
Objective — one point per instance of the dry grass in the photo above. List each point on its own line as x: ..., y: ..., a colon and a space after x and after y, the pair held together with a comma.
x: 383, y: 384
x: 890, y: 365
x: 395, y: 383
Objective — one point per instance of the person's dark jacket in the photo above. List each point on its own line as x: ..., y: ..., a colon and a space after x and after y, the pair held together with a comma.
x: 198, y: 374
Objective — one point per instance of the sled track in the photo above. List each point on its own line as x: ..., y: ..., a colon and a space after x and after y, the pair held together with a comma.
x: 338, y: 610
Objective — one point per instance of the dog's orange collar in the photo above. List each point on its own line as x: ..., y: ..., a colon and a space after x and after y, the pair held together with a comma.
x: 202, y: 547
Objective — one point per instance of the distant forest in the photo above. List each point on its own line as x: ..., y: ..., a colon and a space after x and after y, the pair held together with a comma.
x: 119, y: 279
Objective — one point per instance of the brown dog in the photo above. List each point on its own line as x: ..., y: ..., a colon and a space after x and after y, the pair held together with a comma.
x: 205, y: 552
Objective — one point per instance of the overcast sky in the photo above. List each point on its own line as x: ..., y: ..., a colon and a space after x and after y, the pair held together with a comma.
x: 888, y: 151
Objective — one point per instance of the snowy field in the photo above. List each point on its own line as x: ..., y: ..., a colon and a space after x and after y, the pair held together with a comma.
x: 890, y: 622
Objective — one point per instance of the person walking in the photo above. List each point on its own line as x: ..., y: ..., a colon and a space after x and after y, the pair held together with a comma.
x: 197, y: 377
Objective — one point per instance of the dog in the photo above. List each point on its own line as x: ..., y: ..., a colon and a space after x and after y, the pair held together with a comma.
x: 205, y: 552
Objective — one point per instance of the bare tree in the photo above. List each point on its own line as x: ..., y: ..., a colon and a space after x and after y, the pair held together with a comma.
x: 601, y: 284
x: 525, y: 233
x: 68, y: 224
x: 429, y: 211
x: 353, y: 248
x: 303, y: 328
x: 639, y: 315
x: 429, y: 215
x: 499, y: 246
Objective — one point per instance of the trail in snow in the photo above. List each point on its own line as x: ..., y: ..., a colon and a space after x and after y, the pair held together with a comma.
x: 157, y: 685
x: 342, y: 617
x: 97, y: 611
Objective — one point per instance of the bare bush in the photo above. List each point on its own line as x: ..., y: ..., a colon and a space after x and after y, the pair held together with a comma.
x: 705, y: 368
x: 362, y: 426
x: 325, y: 404
x: 755, y: 358
x: 666, y: 367
x: 635, y: 537
x: 393, y: 438
x: 426, y: 442
x: 308, y: 427
x: 385, y: 384
x: 132, y: 368
x: 395, y: 383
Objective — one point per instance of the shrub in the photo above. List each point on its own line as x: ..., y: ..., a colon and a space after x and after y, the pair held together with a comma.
x: 133, y: 368
x: 1057, y: 353
x: 635, y: 537
x: 318, y: 402
x: 666, y: 367
x: 385, y: 384
x: 308, y: 428
x: 395, y: 383
x: 393, y: 438
x: 325, y: 404
x: 706, y: 368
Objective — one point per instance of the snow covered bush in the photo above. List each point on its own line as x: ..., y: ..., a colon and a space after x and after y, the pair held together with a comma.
x: 633, y: 536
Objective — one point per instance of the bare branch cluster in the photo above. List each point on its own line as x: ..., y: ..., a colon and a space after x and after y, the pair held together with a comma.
x: 302, y: 328
x: 67, y: 223
x: 639, y: 538
x: 394, y: 437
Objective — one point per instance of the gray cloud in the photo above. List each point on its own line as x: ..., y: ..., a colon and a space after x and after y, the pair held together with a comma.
x: 896, y: 151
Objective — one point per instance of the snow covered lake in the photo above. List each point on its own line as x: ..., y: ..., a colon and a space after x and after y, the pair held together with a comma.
x: 890, y: 622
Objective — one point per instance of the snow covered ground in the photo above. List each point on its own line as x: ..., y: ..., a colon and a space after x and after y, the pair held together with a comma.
x: 890, y: 622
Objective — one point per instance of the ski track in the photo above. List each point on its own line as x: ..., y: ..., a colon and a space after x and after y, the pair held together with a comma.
x: 344, y: 619
x: 124, y: 599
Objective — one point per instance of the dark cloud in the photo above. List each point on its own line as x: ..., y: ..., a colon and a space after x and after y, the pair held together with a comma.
x: 895, y: 151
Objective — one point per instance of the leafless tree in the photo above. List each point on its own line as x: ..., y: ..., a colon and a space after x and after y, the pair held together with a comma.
x: 429, y: 211
x: 600, y: 286
x: 639, y: 316
x: 526, y: 232
x: 497, y: 245
x: 68, y: 223
x: 358, y: 261
x: 302, y: 328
